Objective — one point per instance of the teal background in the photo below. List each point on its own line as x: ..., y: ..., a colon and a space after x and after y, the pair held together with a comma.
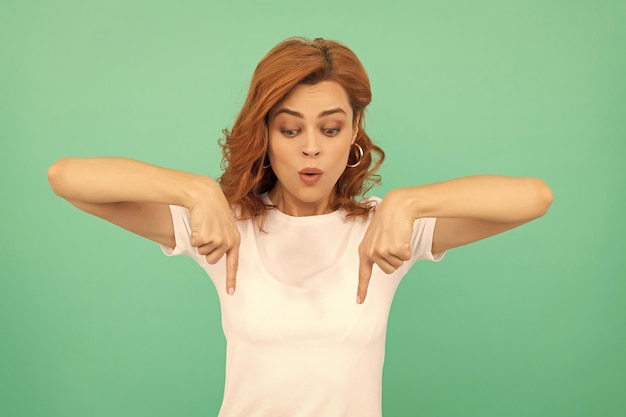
x: 95, y: 321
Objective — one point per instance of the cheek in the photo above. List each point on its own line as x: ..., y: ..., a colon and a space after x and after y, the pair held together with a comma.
x: 340, y: 160
x: 279, y: 154
x: 272, y: 149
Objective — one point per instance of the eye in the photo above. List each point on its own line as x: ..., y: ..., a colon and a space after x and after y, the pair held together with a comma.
x: 331, y: 132
x: 290, y: 133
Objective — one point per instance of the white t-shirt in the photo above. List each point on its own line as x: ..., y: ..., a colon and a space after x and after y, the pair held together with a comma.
x: 297, y: 343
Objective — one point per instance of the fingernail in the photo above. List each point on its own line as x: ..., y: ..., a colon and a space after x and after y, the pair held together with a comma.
x: 358, y: 299
x: 231, y: 291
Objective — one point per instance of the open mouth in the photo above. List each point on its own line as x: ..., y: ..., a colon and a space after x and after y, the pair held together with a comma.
x: 310, y: 176
x: 310, y: 171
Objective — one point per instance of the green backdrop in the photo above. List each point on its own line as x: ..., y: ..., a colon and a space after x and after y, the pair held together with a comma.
x: 95, y: 321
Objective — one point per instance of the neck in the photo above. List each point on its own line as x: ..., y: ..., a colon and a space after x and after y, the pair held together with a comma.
x: 293, y: 206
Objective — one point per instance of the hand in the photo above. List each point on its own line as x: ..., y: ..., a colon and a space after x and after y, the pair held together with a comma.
x: 387, y: 240
x: 215, y: 234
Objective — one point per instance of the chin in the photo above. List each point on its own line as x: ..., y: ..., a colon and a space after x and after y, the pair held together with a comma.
x: 312, y: 195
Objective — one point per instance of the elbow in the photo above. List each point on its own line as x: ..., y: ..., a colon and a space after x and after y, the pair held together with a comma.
x: 57, y: 175
x: 543, y: 197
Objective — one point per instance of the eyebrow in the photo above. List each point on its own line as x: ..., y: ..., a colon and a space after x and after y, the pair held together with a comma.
x: 299, y: 115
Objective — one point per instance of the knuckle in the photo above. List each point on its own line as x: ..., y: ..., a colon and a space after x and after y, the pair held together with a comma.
x: 362, y: 249
x: 388, y: 269
x: 378, y: 258
x: 400, y: 251
x: 212, y: 258
x: 372, y: 252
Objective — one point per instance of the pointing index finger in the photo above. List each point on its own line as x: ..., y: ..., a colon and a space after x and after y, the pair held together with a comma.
x: 232, y: 263
x: 365, y: 273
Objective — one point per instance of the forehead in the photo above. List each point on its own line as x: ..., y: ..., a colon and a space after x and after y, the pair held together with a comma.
x: 316, y: 98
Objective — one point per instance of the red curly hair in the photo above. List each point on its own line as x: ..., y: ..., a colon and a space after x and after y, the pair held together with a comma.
x: 292, y: 62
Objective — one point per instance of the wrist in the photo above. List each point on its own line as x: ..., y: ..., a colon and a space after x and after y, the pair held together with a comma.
x: 199, y: 189
x: 404, y: 200
x: 413, y: 201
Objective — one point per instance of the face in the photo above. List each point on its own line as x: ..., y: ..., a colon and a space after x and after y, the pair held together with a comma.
x: 310, y: 135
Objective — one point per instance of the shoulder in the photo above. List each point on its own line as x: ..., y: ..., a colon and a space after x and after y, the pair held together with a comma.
x: 372, y: 200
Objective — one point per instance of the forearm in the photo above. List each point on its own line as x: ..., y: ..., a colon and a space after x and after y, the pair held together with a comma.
x: 485, y: 197
x: 110, y: 180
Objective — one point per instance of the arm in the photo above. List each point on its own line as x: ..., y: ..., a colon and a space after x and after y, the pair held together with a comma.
x: 473, y: 208
x: 135, y: 195
x: 129, y: 193
x: 467, y: 209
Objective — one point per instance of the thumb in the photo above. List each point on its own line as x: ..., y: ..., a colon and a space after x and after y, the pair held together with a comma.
x: 232, y: 263
x: 365, y: 273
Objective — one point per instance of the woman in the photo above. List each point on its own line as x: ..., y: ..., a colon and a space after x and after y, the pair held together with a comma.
x: 284, y: 226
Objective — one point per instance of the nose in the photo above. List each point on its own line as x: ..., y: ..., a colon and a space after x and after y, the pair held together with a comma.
x: 311, y: 145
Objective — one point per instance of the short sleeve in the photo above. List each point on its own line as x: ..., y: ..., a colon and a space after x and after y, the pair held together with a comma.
x: 182, y: 232
x: 422, y: 240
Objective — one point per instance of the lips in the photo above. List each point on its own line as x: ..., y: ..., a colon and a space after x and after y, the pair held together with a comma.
x: 310, y: 171
x: 310, y: 176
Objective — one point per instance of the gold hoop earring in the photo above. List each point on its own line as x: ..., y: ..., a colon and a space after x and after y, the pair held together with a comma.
x: 269, y: 164
x: 359, y: 157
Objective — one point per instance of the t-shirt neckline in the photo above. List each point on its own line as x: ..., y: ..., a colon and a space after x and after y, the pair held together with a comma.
x: 300, y: 219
